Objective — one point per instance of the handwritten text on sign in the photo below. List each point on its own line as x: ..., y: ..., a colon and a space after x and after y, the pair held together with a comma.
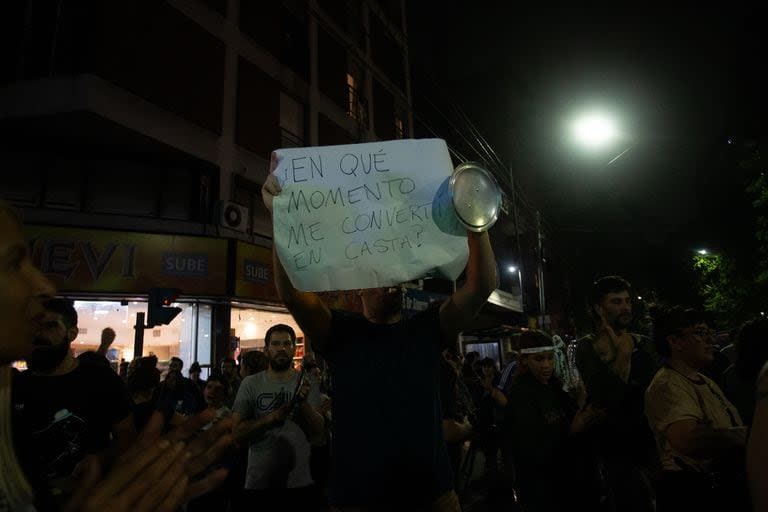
x: 366, y: 215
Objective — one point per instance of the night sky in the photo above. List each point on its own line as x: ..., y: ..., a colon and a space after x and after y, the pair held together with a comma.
x: 681, y: 83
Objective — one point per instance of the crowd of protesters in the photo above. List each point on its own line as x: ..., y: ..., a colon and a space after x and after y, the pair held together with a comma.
x: 385, y: 413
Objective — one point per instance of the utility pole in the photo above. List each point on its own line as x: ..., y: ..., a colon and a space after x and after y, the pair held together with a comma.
x: 516, y: 220
x: 540, y: 262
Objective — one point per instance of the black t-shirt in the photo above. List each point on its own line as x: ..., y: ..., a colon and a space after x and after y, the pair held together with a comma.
x: 387, y: 444
x: 623, y: 401
x: 59, y: 420
x: 537, y: 421
x: 554, y: 468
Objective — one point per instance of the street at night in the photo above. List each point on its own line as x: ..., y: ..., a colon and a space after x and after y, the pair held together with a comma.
x: 383, y: 255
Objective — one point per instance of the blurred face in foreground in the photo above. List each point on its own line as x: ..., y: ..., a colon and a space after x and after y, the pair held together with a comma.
x: 23, y: 289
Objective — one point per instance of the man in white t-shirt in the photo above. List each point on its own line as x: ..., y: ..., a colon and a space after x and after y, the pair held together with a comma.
x: 699, y: 435
x: 278, y: 459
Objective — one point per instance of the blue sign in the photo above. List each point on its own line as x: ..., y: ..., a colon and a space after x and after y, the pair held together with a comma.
x: 256, y: 272
x: 185, y: 264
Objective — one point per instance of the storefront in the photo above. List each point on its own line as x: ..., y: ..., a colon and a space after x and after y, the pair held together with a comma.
x: 228, y: 297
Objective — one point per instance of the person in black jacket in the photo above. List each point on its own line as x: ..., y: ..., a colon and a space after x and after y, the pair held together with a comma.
x: 540, y: 430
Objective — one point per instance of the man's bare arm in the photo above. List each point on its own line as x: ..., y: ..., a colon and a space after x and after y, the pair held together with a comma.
x: 309, y: 311
x: 466, y: 302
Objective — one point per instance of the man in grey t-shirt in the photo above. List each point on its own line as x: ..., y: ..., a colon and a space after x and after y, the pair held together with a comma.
x: 278, y: 458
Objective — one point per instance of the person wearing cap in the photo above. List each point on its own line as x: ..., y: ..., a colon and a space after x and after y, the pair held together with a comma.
x: 541, y: 434
x: 391, y: 457
x: 194, y: 375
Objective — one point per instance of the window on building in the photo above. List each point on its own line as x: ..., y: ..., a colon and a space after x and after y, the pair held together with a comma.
x: 292, y: 122
x: 332, y: 68
x: 399, y: 128
x: 352, y: 96
x: 383, y: 112
x: 123, y: 187
x: 294, y: 47
x: 114, y: 186
x: 387, y: 53
x: 163, y: 57
x: 347, y: 16
x: 248, y: 194
x: 261, y: 22
x: 258, y: 110
x: 331, y: 134
x: 357, y: 106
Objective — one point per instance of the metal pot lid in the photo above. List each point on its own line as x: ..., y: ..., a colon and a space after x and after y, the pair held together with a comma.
x: 476, y: 196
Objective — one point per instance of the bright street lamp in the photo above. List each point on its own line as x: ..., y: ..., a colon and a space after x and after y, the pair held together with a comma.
x: 594, y: 130
x: 511, y: 269
x: 703, y: 252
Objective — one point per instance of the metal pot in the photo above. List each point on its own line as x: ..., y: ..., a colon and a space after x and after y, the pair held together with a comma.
x: 476, y: 196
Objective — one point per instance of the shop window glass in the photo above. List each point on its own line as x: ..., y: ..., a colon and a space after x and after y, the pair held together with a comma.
x: 165, y: 341
x: 204, y: 335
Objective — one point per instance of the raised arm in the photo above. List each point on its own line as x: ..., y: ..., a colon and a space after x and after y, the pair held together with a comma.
x: 465, y: 303
x: 311, y: 313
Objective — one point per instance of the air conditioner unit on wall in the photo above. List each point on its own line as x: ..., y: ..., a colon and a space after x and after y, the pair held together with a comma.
x: 233, y: 216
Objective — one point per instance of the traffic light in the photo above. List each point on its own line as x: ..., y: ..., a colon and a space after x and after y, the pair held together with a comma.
x: 159, y: 312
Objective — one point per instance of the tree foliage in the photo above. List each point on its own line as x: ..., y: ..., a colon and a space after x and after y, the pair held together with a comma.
x: 734, y: 284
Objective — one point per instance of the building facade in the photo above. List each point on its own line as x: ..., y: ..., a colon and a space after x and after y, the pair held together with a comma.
x: 136, y: 137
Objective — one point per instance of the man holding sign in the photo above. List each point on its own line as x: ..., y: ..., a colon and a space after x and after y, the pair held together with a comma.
x: 388, y: 448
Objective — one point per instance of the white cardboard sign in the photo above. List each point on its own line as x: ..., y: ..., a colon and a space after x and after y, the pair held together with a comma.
x: 367, y: 215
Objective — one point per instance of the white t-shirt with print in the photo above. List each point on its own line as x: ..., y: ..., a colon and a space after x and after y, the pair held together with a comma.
x: 279, y: 459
